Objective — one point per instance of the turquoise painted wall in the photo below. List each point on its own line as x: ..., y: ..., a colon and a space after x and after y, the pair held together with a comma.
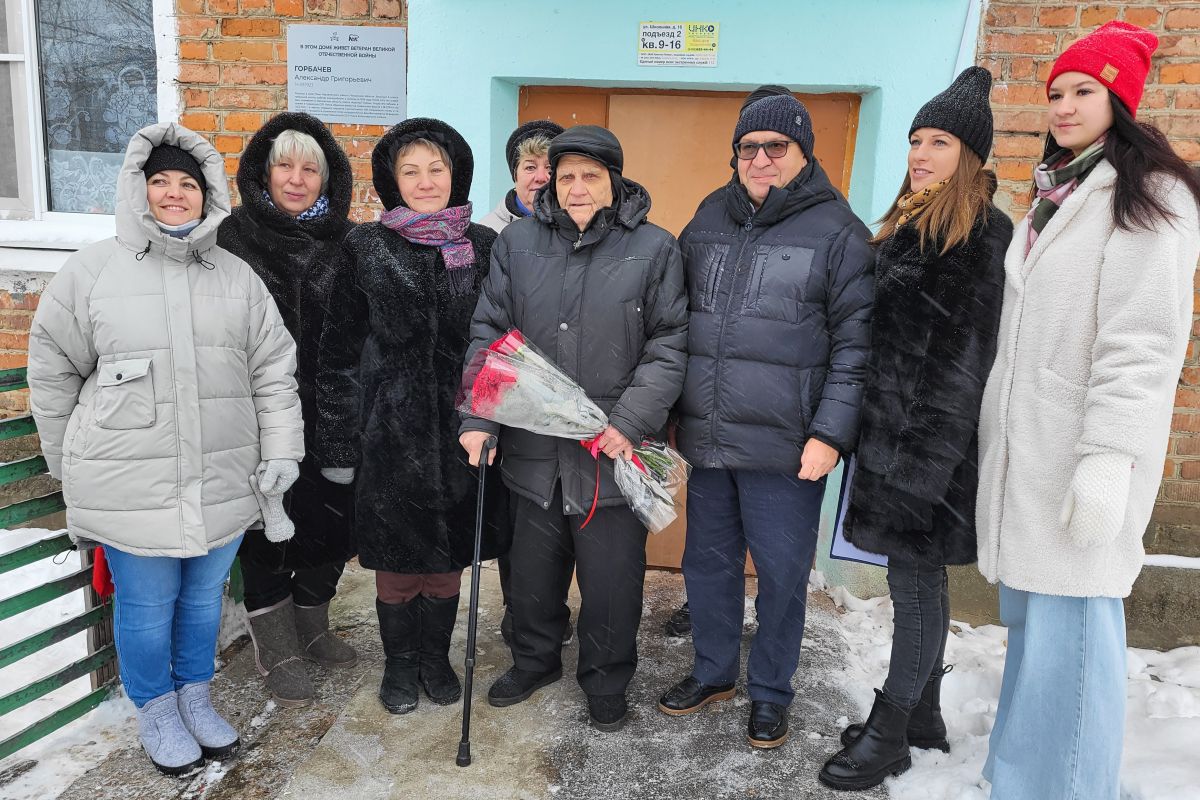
x: 468, y: 58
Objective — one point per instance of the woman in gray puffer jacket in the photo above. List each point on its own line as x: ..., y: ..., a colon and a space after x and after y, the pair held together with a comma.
x: 161, y: 381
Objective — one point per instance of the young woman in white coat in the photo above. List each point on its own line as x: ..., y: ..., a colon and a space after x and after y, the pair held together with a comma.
x: 161, y: 379
x: 1076, y: 416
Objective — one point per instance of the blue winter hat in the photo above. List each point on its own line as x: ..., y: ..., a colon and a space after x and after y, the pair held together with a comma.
x: 782, y: 114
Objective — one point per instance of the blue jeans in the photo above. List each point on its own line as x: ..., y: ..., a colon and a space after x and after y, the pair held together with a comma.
x: 166, y: 616
x: 1061, y: 719
x: 776, y: 516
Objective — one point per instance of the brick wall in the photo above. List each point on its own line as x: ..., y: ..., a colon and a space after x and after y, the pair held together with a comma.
x: 16, y: 317
x: 233, y: 73
x: 1018, y: 43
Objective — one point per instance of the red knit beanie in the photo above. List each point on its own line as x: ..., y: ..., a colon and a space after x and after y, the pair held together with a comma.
x: 1117, y: 54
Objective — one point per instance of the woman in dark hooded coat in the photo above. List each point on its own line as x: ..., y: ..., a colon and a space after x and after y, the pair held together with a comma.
x: 390, y: 368
x: 295, y: 185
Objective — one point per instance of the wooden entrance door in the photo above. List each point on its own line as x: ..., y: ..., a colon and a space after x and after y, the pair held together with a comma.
x: 678, y: 144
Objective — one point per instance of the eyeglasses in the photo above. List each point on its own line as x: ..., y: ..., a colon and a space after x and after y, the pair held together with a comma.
x: 748, y: 151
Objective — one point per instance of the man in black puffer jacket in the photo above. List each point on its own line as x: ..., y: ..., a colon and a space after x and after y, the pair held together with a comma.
x: 599, y: 290
x: 779, y: 278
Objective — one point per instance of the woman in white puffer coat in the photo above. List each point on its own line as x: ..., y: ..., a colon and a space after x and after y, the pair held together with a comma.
x: 161, y: 381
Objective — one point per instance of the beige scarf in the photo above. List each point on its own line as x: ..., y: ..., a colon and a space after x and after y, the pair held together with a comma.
x: 912, y: 204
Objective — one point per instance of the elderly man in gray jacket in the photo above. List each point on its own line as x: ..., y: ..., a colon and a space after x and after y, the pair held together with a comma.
x: 599, y: 289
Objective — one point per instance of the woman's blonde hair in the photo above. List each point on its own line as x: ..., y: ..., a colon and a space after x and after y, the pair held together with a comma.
x: 533, y: 147
x: 948, y: 219
x: 415, y: 143
x: 297, y: 144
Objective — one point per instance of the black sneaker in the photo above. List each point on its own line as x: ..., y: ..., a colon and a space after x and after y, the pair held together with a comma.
x: 680, y: 623
x: 517, y: 685
x: 690, y: 695
x: 607, y: 712
x: 768, y: 725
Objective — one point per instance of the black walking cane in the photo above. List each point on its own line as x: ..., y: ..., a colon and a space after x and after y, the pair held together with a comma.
x: 464, y: 746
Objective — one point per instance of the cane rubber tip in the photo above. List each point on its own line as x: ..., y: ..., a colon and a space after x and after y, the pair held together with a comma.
x: 463, y: 761
x: 464, y: 754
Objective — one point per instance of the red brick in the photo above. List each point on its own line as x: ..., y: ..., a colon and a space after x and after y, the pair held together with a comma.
x: 250, y: 27
x: 256, y: 6
x: 222, y: 7
x: 1187, y: 150
x: 189, y: 6
x: 195, y: 98
x: 1190, y: 376
x: 1093, y: 16
x: 199, y: 73
x: 1187, y: 98
x: 1146, y: 17
x: 1182, y: 19
x: 1181, y: 492
x: 1180, y: 73
x: 201, y: 121
x: 1021, y: 121
x: 243, y: 121
x: 1057, y: 17
x: 196, y: 26
x: 321, y: 8
x: 1003, y: 15
x: 193, y: 49
x: 1187, y: 398
x: 387, y: 9
x: 992, y: 65
x: 358, y: 148
x: 1021, y: 69
x: 1186, y: 421
x: 231, y: 166
x: 289, y: 8
x: 14, y: 341
x: 252, y: 76
x: 1018, y: 147
x: 354, y: 8
x: 1169, y: 469
x: 1031, y: 43
x: 1181, y: 124
x: 15, y: 320
x: 1014, y: 170
x: 361, y: 170
x: 1155, y: 98
x: 244, y: 98
x: 13, y: 360
x: 228, y: 145
x: 1018, y: 94
x: 1187, y: 445
x: 243, y: 51
x: 1178, y: 46
x: 281, y: 52
x: 1190, y: 470
x: 340, y: 129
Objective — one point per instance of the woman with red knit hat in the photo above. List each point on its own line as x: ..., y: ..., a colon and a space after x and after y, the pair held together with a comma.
x: 1077, y: 413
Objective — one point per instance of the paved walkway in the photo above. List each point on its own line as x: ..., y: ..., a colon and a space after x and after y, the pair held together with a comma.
x: 346, y: 747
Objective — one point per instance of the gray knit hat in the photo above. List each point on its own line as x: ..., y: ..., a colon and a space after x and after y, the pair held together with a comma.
x: 782, y: 114
x: 964, y: 110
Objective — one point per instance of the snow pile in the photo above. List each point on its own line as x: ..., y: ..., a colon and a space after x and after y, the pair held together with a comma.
x: 86, y: 741
x: 1162, y: 718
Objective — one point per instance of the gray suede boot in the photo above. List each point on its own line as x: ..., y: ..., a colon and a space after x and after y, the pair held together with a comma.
x: 165, y: 739
x: 317, y: 642
x: 277, y: 654
x: 216, y: 737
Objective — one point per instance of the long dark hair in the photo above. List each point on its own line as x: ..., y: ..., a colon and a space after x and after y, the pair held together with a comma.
x: 1138, y: 151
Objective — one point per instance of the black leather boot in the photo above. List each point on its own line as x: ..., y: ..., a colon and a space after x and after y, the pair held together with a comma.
x: 400, y: 632
x: 438, y: 678
x: 926, y: 728
x: 881, y: 750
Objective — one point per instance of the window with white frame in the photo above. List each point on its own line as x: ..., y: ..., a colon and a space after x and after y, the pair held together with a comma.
x: 83, y: 82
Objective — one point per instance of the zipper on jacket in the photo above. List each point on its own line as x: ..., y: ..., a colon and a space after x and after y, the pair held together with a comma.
x: 737, y: 262
x: 578, y: 242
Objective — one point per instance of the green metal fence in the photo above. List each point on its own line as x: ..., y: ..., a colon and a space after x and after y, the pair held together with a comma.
x: 100, y: 662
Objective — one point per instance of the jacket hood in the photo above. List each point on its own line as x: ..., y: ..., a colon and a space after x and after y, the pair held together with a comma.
x: 136, y: 226
x: 383, y: 159
x: 630, y: 208
x: 810, y: 188
x: 253, y: 168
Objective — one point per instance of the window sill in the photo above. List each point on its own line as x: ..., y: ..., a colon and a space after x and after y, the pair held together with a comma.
x: 57, y: 231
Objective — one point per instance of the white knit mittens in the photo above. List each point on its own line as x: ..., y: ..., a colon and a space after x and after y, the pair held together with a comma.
x: 270, y: 482
x: 1093, y: 511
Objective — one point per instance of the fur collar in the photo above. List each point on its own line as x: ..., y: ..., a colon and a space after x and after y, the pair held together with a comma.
x: 902, y: 267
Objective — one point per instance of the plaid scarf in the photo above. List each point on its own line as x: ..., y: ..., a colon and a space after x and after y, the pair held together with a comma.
x: 912, y: 204
x: 445, y: 230
x: 317, y: 209
x: 1056, y: 183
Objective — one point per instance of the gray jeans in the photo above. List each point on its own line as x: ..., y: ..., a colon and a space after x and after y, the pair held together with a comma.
x: 921, y: 622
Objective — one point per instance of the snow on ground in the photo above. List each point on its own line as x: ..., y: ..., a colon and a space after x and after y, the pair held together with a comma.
x: 1162, y: 717
x: 72, y: 750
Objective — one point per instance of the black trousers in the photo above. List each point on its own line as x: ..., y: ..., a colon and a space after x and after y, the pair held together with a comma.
x: 921, y: 621
x: 609, y: 559
x: 308, y: 587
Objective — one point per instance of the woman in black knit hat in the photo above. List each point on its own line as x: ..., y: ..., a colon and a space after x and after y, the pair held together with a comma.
x: 528, y: 155
x: 939, y: 280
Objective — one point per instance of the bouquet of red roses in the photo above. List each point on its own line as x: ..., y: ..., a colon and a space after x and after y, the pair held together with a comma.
x: 512, y: 383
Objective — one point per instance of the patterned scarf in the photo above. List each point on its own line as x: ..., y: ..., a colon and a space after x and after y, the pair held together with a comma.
x: 1056, y: 183
x: 445, y: 230
x: 317, y: 209
x: 912, y: 204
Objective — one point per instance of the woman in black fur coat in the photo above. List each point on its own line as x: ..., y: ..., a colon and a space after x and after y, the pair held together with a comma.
x: 390, y: 367
x: 939, y: 280
x: 295, y: 186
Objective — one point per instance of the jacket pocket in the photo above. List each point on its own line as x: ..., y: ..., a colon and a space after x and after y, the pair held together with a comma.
x: 711, y: 260
x: 1060, y: 391
x: 125, y: 395
x: 776, y: 287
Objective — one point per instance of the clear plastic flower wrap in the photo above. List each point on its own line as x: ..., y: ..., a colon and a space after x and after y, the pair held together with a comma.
x: 514, y: 384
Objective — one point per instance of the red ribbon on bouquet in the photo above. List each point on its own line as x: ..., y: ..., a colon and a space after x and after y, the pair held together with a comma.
x: 593, y: 446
